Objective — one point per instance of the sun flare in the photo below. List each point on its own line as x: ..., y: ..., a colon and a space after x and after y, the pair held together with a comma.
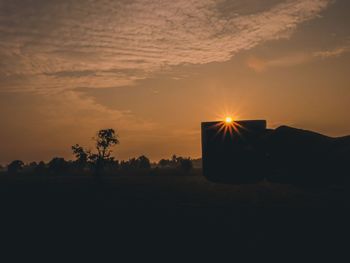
x: 227, y: 126
x: 228, y: 120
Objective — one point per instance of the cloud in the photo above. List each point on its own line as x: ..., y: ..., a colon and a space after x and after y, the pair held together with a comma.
x: 261, y: 64
x: 293, y: 59
x: 330, y: 53
x: 50, y: 48
x: 77, y: 110
x: 59, y: 45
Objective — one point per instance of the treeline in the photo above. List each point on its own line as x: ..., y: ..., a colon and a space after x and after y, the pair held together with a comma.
x: 101, y: 162
x: 137, y: 166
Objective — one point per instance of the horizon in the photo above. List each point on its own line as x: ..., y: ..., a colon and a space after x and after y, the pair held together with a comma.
x: 228, y: 121
x: 155, y: 70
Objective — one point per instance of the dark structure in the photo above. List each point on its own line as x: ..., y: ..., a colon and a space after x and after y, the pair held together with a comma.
x: 232, y: 151
x: 246, y: 151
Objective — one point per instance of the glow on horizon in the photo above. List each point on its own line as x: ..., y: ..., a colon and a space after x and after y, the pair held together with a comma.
x: 228, y: 120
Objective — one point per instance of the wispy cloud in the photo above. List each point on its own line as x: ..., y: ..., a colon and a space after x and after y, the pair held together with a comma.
x: 53, y: 47
x: 331, y: 53
x: 59, y: 45
x: 293, y: 59
x: 84, y: 112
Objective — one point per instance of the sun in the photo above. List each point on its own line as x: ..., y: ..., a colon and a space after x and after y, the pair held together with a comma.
x: 228, y: 120
x: 227, y: 126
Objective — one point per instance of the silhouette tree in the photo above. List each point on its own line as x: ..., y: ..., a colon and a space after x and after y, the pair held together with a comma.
x: 30, y: 168
x: 143, y: 162
x: 40, y: 169
x: 32, y: 165
x: 58, y: 165
x: 81, y: 155
x: 15, y: 166
x: 177, y: 162
x: 131, y: 164
x: 164, y: 163
x: 105, y: 140
x: 125, y: 165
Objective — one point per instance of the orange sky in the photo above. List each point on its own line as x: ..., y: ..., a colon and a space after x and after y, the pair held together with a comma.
x: 153, y: 70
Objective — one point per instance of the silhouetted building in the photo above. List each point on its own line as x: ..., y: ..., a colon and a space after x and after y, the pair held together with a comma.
x: 231, y: 150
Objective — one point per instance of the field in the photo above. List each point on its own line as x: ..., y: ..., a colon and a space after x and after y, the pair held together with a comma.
x: 164, y: 210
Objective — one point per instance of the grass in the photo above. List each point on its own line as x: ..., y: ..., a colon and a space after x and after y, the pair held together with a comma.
x: 172, y: 209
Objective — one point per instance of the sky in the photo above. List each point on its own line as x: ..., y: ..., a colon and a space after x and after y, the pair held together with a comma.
x: 153, y: 70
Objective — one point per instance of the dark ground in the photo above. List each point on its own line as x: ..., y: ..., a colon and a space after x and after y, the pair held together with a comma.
x: 175, y: 215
